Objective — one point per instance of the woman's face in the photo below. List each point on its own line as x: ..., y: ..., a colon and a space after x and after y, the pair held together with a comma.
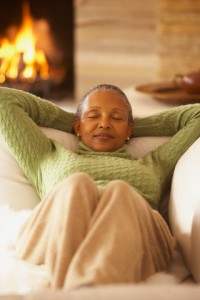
x: 104, y: 122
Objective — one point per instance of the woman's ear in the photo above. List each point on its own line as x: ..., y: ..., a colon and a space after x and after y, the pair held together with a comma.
x: 130, y: 130
x: 76, y: 125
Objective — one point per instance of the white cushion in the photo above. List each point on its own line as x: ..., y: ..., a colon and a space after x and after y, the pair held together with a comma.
x: 15, y: 190
x: 68, y: 140
x: 195, y: 244
x: 140, y: 146
x: 18, y: 193
x: 184, y: 198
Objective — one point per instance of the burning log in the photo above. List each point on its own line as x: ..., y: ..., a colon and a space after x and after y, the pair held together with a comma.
x: 36, y: 51
x: 22, y: 65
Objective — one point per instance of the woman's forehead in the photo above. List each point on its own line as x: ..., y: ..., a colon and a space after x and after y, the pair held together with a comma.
x: 105, y: 99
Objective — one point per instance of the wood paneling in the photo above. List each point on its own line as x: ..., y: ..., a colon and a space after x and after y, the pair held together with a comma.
x: 115, y: 42
x: 178, y: 29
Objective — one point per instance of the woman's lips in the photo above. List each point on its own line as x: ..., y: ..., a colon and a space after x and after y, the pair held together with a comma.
x: 103, y: 136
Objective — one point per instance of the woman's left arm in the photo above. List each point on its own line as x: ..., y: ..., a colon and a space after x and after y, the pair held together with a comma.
x: 183, y: 125
x: 167, y: 123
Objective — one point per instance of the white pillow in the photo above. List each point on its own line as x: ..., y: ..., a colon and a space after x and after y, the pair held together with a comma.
x: 68, y: 140
x: 16, y: 191
x: 140, y: 146
x: 184, y: 198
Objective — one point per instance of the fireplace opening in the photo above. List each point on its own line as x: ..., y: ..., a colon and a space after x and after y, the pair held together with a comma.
x: 37, y: 47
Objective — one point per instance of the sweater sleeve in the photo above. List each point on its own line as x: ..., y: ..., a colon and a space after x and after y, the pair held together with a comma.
x: 166, y: 123
x: 20, y: 115
x: 183, y: 124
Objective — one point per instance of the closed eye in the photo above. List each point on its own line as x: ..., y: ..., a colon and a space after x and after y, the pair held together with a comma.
x: 92, y: 116
x: 117, y: 118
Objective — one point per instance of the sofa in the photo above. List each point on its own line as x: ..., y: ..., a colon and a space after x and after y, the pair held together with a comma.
x: 19, y: 280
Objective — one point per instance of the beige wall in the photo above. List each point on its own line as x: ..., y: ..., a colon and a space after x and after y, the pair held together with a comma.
x: 115, y: 42
x: 178, y: 38
x: 129, y: 42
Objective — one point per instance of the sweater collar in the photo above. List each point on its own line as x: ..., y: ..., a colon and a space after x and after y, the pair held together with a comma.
x: 83, y: 149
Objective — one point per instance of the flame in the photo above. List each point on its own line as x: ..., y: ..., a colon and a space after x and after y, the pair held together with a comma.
x: 21, y: 59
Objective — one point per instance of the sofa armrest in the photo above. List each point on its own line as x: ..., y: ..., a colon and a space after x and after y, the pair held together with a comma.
x: 183, y: 203
x: 195, y: 245
x: 16, y: 191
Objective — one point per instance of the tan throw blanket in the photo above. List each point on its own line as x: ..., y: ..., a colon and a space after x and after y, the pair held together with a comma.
x: 17, y: 276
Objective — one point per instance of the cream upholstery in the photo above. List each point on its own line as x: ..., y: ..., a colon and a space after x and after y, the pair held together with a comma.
x: 184, y: 204
x: 17, y: 193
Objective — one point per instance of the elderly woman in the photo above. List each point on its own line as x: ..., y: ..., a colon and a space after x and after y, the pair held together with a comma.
x: 97, y: 222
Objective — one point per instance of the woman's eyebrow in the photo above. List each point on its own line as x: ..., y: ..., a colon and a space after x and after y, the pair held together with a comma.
x: 113, y: 109
x: 94, y: 107
x: 98, y: 108
x: 91, y: 109
x: 118, y: 110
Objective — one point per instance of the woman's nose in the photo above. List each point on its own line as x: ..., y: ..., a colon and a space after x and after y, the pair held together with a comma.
x: 103, y: 126
x: 104, y: 123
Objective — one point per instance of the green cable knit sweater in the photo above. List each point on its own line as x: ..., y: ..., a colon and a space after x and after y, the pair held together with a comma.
x: 46, y: 162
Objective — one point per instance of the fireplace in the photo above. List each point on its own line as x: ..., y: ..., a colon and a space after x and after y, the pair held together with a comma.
x: 36, y: 47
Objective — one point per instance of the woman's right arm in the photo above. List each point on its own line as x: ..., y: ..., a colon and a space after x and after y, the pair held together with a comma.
x: 20, y: 115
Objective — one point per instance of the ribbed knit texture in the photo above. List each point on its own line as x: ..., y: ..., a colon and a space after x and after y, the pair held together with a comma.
x: 45, y: 162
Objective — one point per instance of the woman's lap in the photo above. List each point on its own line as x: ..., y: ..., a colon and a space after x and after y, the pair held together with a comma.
x: 75, y: 226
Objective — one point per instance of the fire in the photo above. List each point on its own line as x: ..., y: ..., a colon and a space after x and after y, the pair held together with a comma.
x: 21, y: 59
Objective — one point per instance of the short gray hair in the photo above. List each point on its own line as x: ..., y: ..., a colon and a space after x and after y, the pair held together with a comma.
x: 111, y: 87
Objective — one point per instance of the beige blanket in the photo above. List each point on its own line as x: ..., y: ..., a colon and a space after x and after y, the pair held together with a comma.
x: 17, y: 276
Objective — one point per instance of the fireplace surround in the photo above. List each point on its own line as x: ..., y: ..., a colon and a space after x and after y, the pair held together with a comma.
x: 53, y: 25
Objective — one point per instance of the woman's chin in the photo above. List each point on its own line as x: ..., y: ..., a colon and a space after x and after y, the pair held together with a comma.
x: 103, y: 148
